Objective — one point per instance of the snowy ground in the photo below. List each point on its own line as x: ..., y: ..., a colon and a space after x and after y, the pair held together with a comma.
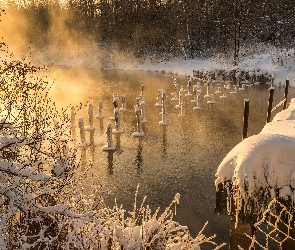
x: 265, y: 63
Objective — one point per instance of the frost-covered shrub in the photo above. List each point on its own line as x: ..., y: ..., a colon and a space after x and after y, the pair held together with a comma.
x: 35, y: 164
x: 142, y: 229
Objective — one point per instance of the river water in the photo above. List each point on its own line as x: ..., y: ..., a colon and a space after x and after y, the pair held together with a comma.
x: 180, y: 158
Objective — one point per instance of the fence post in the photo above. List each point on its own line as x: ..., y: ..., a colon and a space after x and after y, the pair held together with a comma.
x: 270, y: 100
x: 245, y: 120
x: 286, y: 93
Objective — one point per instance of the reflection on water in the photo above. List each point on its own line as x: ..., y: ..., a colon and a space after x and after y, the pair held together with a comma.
x: 139, y: 158
x: 73, y: 134
x: 164, y: 144
x: 101, y: 127
x: 92, y: 146
x: 181, y: 157
x: 83, y: 158
x: 110, y: 161
x: 118, y: 141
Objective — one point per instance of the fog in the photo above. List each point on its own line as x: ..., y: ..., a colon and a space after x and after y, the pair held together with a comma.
x: 62, y: 42
x: 66, y: 53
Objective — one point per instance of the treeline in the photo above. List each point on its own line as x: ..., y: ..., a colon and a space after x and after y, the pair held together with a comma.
x: 191, y: 28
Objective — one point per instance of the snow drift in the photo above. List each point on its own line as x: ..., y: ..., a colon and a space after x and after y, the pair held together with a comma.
x: 263, y: 163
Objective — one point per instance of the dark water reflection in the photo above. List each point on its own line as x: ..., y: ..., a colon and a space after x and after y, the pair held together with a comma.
x: 180, y: 158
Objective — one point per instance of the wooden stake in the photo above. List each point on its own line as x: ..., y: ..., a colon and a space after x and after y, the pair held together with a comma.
x: 286, y: 93
x: 246, y: 115
x: 270, y: 100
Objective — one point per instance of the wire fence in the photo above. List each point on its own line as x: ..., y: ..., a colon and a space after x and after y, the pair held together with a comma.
x: 274, y: 229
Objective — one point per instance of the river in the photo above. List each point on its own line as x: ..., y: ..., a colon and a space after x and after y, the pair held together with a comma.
x: 181, y: 157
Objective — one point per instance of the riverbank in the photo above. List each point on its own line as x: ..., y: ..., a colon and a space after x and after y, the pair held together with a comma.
x: 282, y: 65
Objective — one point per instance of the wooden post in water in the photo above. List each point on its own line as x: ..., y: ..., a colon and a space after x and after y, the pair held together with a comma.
x: 270, y: 100
x: 245, y: 120
x: 286, y: 93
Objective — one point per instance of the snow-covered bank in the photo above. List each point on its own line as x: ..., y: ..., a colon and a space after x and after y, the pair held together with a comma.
x: 283, y: 66
x: 264, y: 163
x: 266, y: 61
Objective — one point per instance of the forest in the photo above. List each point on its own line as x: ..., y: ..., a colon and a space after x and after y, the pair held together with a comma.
x: 166, y: 28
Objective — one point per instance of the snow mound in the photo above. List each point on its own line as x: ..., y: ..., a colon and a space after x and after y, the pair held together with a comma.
x: 264, y: 161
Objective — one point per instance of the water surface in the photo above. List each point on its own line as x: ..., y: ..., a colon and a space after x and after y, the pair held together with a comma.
x: 180, y: 158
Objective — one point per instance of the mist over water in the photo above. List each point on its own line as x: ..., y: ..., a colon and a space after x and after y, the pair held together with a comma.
x: 60, y: 43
